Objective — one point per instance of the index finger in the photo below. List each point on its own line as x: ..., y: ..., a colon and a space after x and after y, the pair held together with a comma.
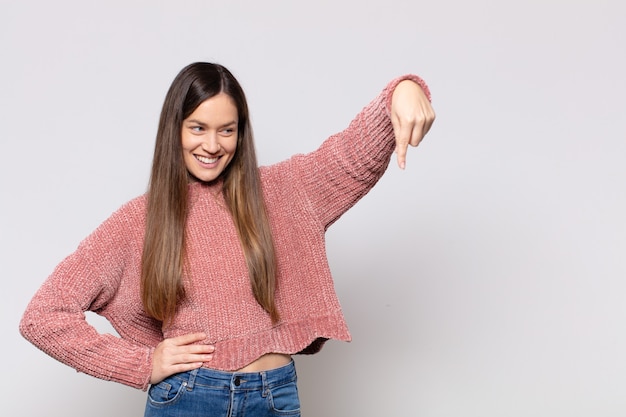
x: 187, y: 339
x: 403, y: 137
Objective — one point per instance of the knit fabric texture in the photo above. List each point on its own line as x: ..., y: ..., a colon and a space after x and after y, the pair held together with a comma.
x: 304, y: 195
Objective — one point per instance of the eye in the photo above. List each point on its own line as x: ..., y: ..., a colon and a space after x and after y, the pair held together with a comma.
x: 228, y: 131
x: 196, y: 128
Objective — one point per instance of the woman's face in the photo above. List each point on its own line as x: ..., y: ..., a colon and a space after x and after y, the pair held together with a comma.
x: 209, y: 137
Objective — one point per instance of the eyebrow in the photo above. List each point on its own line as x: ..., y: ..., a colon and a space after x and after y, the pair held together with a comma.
x: 198, y: 122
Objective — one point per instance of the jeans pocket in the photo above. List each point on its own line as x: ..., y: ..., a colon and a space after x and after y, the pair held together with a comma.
x: 166, y: 392
x: 284, y: 400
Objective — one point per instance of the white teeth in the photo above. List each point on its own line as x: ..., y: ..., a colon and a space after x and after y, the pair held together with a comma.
x: 206, y: 160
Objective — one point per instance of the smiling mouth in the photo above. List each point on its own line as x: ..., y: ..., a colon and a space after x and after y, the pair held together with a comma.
x: 207, y: 160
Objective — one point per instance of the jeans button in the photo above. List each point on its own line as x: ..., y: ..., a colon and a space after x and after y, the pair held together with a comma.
x: 237, y: 381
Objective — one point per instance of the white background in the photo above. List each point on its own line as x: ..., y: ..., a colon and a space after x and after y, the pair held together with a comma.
x: 485, y: 280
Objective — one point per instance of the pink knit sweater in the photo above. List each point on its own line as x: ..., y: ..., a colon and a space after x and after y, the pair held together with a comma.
x: 304, y: 196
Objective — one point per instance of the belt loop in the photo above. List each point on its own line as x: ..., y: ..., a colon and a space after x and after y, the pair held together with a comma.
x: 192, y: 378
x: 266, y: 387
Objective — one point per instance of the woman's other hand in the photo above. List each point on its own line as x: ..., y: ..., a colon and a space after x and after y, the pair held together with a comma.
x: 179, y: 354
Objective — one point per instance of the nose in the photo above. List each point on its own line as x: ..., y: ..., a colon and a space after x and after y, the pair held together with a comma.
x: 211, y: 143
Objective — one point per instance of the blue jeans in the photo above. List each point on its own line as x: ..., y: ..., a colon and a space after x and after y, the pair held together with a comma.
x: 209, y: 393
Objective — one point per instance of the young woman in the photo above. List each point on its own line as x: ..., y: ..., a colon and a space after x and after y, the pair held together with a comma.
x: 218, y: 274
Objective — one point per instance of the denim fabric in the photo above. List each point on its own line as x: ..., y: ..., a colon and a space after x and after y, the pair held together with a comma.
x: 209, y: 393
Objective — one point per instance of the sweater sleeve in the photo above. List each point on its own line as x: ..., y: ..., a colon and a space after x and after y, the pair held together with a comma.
x: 348, y: 164
x: 88, y: 280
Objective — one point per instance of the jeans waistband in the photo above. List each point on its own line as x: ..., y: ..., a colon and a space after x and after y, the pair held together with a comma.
x: 241, y: 380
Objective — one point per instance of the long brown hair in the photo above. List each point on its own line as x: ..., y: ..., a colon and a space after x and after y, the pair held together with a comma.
x: 163, y: 260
